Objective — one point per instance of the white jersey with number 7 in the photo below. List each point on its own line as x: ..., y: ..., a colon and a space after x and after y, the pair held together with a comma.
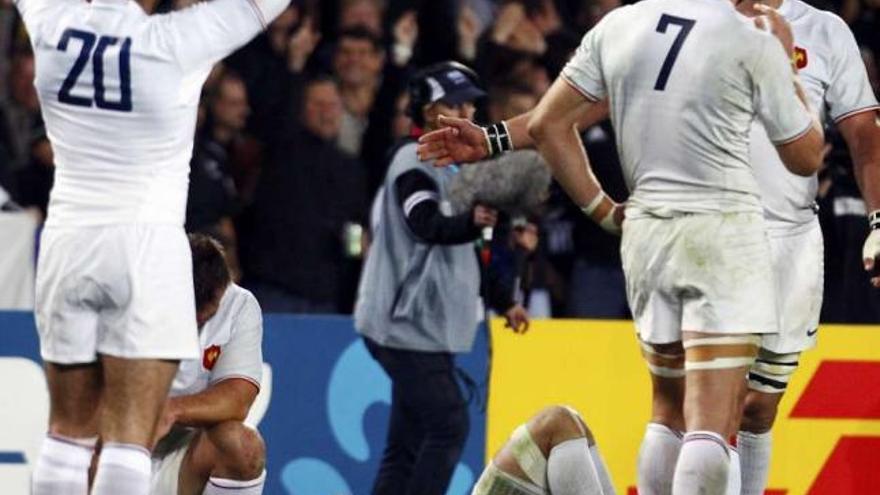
x: 685, y: 79
x: 119, y: 90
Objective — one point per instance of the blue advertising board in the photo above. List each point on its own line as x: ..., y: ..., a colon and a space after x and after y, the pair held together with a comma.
x: 327, y: 413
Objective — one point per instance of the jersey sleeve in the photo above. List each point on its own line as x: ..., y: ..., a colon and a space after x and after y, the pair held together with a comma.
x: 584, y: 71
x: 849, y: 90
x: 242, y: 356
x: 205, y: 33
x: 784, y: 116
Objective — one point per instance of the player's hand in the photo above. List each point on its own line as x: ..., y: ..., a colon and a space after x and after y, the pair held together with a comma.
x: 166, y: 422
x: 772, y: 21
x: 485, y: 216
x: 517, y: 319
x: 870, y: 253
x: 301, y: 45
x: 457, y: 141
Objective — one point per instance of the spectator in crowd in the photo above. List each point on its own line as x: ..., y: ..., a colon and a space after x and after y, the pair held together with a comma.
x: 34, y: 181
x: 20, y: 113
x: 213, y: 199
x: 357, y: 64
x: 310, y: 204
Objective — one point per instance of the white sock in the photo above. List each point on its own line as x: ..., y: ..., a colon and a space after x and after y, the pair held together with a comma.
x: 123, y: 468
x: 602, y: 471
x: 754, y: 450
x: 570, y: 469
x: 703, y: 465
x: 221, y: 486
x: 63, y: 466
x: 734, y: 482
x: 657, y: 457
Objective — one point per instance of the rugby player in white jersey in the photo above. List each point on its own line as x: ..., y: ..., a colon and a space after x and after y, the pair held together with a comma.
x: 203, y: 445
x: 119, y: 91
x: 836, y: 84
x: 695, y: 251
x: 552, y: 453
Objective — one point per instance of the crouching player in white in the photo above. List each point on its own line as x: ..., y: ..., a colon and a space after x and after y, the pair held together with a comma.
x: 203, y: 445
x: 553, y: 453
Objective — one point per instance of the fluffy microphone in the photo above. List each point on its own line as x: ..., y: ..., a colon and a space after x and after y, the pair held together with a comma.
x: 516, y: 183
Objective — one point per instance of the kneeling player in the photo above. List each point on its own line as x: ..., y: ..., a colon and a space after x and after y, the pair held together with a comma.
x: 203, y: 445
x: 553, y: 453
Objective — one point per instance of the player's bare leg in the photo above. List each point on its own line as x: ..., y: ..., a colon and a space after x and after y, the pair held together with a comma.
x: 768, y: 380
x: 715, y: 365
x: 133, y: 395
x: 662, y: 441
x: 74, y: 393
x: 229, y: 458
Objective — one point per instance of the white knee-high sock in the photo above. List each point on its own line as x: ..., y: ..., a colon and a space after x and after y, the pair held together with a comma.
x: 703, y: 465
x: 754, y: 451
x: 602, y: 471
x: 657, y: 458
x: 63, y: 466
x: 734, y: 481
x: 221, y: 486
x: 122, y: 468
x: 570, y: 469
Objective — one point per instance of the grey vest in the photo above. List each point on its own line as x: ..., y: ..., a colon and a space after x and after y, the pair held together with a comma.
x: 416, y: 296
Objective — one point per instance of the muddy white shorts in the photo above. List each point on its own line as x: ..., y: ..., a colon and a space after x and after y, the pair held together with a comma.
x: 707, y: 273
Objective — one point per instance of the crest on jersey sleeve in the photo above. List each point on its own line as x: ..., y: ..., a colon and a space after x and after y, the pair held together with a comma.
x: 209, y: 358
x: 800, y: 57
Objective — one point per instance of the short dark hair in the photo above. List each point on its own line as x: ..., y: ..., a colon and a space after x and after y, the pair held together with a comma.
x: 360, y: 33
x: 210, y: 271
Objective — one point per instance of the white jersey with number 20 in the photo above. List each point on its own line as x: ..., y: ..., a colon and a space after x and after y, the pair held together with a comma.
x: 119, y: 90
x: 685, y: 79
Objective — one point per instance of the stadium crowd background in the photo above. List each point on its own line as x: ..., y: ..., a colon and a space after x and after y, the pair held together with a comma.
x: 295, y: 129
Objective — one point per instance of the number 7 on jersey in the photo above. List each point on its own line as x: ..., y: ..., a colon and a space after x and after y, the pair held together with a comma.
x: 685, y: 26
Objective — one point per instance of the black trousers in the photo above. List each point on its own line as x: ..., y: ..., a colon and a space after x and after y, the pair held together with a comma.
x: 428, y: 426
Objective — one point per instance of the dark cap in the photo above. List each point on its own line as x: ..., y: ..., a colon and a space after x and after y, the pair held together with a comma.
x: 451, y: 83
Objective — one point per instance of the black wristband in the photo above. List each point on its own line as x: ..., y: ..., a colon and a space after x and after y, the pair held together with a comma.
x: 498, y: 139
x: 874, y: 220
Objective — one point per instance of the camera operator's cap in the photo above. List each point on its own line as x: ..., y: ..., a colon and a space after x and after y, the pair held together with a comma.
x: 453, y: 85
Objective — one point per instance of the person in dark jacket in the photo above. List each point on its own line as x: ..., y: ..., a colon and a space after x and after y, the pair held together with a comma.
x: 419, y: 297
x: 302, y: 240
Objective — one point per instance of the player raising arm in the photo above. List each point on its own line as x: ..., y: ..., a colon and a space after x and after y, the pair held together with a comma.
x: 119, y: 92
x: 682, y: 131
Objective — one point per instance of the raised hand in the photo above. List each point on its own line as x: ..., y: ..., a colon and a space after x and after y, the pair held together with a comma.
x: 458, y: 141
x: 301, y: 45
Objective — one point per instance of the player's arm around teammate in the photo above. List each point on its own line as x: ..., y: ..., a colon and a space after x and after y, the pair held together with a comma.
x: 202, y: 443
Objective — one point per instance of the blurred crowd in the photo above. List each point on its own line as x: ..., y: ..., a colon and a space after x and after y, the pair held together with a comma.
x: 295, y: 129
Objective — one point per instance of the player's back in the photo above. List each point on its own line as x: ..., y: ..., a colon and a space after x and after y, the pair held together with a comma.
x: 682, y: 78
x: 119, y: 90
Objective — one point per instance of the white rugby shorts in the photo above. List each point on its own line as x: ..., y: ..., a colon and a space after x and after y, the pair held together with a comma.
x: 708, y: 273
x: 121, y: 290
x: 798, y: 255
